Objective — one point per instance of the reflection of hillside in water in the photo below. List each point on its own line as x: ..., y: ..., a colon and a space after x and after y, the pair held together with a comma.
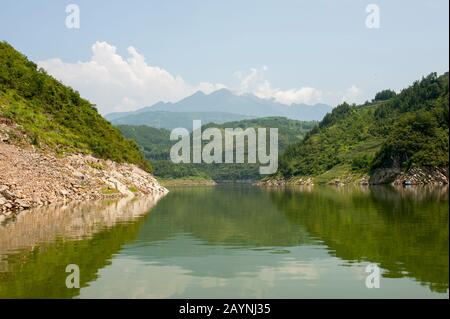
x: 405, y: 230
x: 36, y: 248
x: 227, y: 235
x: 74, y: 220
x: 228, y: 216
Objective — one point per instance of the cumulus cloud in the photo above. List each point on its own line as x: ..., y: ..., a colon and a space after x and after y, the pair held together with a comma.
x: 352, y: 95
x: 255, y: 82
x: 118, y: 84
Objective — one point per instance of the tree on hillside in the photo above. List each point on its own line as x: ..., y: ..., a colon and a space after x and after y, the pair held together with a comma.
x: 384, y: 95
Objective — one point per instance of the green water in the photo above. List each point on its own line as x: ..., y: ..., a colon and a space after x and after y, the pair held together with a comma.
x: 234, y: 242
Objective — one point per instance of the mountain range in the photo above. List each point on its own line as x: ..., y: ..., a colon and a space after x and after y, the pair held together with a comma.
x: 219, y: 107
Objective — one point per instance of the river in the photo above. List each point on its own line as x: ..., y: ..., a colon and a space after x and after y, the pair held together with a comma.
x: 234, y: 241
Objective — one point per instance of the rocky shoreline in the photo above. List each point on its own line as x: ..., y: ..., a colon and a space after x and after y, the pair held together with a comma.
x: 414, y: 176
x: 276, y: 182
x: 32, y: 178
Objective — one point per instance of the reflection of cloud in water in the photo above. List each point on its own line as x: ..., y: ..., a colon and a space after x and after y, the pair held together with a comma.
x: 124, y: 278
x: 304, y: 274
x: 203, y: 260
x: 291, y: 269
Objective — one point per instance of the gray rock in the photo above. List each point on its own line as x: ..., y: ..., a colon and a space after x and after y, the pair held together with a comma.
x: 23, y: 204
x: 384, y: 176
x: 8, y: 195
x: 4, y: 137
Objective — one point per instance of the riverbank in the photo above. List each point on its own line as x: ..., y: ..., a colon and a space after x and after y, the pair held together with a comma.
x: 31, y: 178
x: 413, y: 176
x: 171, y: 182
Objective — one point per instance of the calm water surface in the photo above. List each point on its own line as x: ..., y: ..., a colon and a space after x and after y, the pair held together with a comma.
x: 233, y: 242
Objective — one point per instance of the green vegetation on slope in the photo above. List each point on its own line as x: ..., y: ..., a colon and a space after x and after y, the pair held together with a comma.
x: 155, y: 144
x: 289, y: 131
x: 402, y: 131
x: 55, y: 116
x: 416, y: 126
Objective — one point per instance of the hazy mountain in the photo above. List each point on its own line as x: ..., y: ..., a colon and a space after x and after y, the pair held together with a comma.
x: 171, y: 120
x: 225, y: 106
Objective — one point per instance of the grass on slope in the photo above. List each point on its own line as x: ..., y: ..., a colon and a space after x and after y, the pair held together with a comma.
x: 54, y: 116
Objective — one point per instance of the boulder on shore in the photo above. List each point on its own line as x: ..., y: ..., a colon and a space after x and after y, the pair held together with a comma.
x: 30, y: 178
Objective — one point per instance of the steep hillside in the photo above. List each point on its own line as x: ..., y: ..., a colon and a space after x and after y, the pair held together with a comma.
x: 395, y: 136
x: 54, y: 116
x: 54, y: 146
x: 154, y: 142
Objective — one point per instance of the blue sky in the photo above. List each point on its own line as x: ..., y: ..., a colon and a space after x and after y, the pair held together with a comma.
x: 293, y: 51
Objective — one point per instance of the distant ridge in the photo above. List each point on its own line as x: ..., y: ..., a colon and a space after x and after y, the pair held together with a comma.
x: 171, y: 120
x: 219, y: 107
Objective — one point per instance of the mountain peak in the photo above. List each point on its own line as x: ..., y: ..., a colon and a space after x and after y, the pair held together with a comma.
x: 248, y: 105
x: 199, y: 93
x: 222, y: 92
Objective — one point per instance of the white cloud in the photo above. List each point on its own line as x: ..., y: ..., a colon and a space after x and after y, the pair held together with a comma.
x: 352, y: 95
x: 255, y: 82
x: 118, y: 84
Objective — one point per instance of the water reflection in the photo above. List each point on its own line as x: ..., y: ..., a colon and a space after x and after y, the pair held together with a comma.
x: 37, y: 246
x: 404, y: 230
x: 235, y: 241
